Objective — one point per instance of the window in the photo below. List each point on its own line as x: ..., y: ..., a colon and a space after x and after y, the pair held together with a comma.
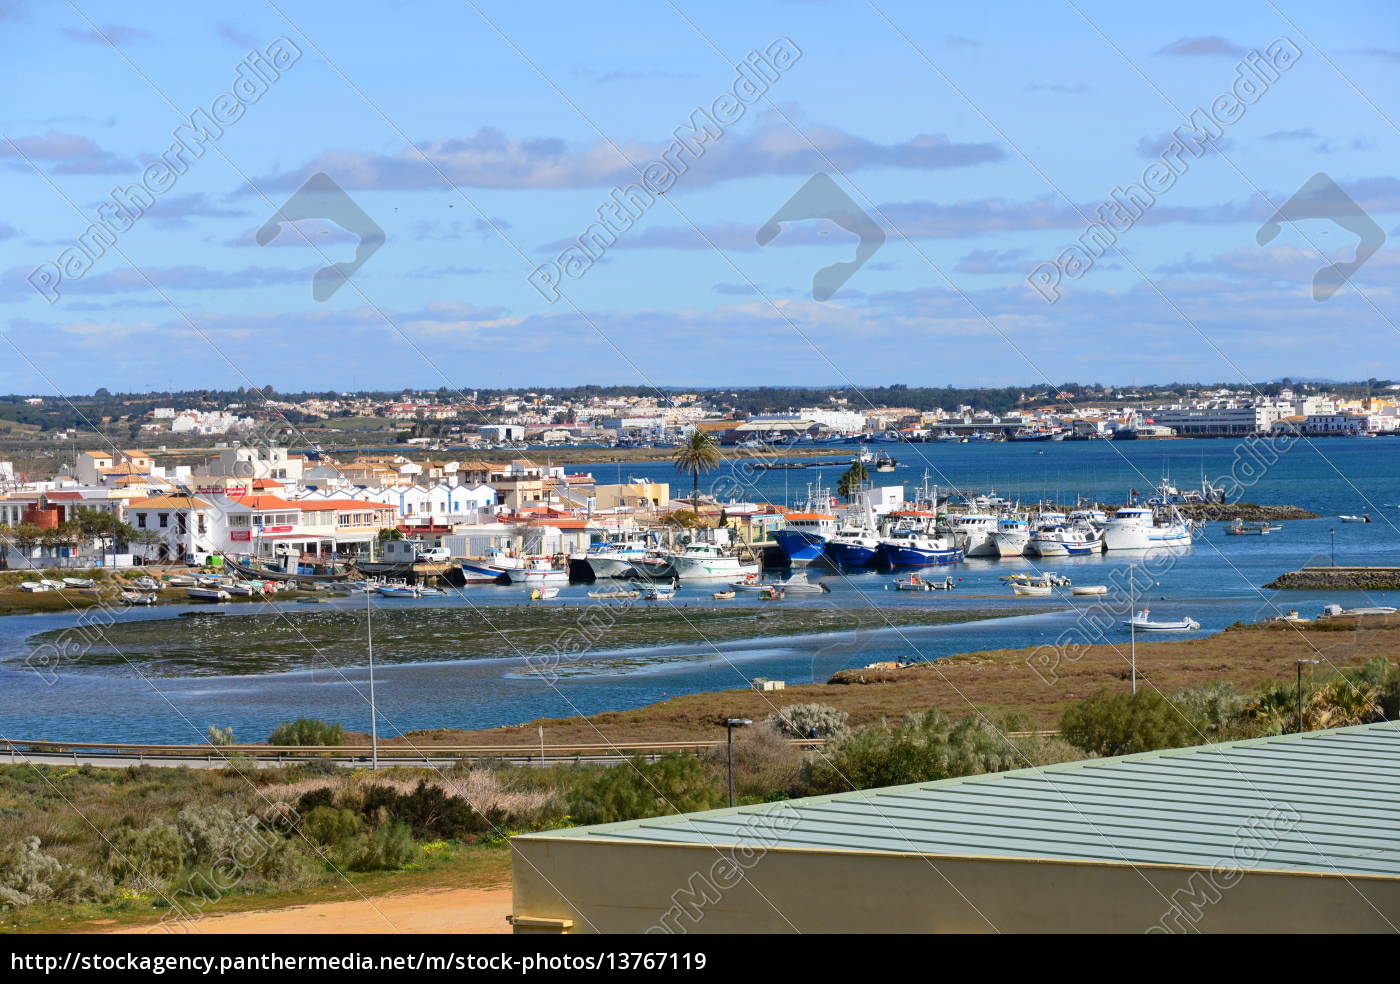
x: 164, y: 520
x: 140, y: 521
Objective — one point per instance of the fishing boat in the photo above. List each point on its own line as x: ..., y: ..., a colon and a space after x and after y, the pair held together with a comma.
x: 33, y: 586
x: 1063, y: 540
x: 659, y: 592
x: 853, y: 546
x: 396, y: 590
x: 145, y: 583
x: 476, y: 572
x: 243, y: 590
x: 614, y: 557
x: 1142, y: 622
x: 749, y: 582
x: 973, y: 532
x: 1337, y: 611
x: 907, y: 547
x: 723, y: 595
x: 79, y: 582
x: 182, y: 581
x: 540, y: 571
x: 1026, y: 577
x: 616, y: 593
x: 1241, y: 528
x: 1142, y: 528
x: 803, y: 537
x: 702, y: 560
x: 1011, y: 536
x: 51, y: 584
x: 543, y: 593
x: 1355, y: 519
x: 207, y: 594
x: 1089, y: 589
x: 797, y: 583
x: 137, y: 598
x: 885, y: 463
x: 916, y: 583
x: 1037, y: 589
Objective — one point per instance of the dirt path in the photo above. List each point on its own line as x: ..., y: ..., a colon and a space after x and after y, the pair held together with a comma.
x: 463, y: 910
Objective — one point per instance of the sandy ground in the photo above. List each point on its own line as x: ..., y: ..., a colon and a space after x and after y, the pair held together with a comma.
x: 464, y: 910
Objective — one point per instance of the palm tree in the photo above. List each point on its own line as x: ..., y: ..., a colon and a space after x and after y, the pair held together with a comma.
x: 852, y: 481
x: 698, y: 454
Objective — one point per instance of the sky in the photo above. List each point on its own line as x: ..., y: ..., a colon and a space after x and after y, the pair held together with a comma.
x: 942, y: 162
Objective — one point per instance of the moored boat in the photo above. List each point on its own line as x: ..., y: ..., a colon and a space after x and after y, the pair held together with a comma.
x: 1142, y: 622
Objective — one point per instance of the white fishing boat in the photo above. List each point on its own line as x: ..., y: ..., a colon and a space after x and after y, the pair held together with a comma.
x: 207, y: 594
x: 974, y: 532
x: 1027, y: 577
x: 137, y: 598
x: 723, y: 595
x: 543, y: 593
x: 1355, y: 519
x: 1337, y: 611
x: 614, y: 557
x: 708, y: 561
x: 51, y: 584
x: 1089, y: 589
x: 914, y: 582
x: 540, y: 571
x: 1064, y: 540
x: 1034, y: 589
x: 1011, y: 537
x: 1142, y: 622
x: 1143, y: 528
x: 145, y: 583
x: 33, y: 586
x: 660, y: 592
x: 182, y: 581
x: 396, y: 590
x: 242, y: 590
x: 79, y: 582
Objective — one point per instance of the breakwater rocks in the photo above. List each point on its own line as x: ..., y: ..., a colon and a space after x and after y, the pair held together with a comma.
x: 1247, y: 511
x: 1338, y: 579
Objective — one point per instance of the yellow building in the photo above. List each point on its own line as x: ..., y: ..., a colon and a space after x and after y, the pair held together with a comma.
x: 633, y: 495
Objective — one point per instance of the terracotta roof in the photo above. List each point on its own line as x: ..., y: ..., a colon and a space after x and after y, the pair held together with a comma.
x: 264, y: 502
x: 323, y: 504
x: 169, y: 502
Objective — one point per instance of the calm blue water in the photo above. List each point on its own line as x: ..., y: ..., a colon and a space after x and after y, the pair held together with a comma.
x: 1217, y: 582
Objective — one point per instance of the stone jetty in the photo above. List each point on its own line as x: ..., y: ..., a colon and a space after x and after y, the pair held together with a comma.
x: 1338, y: 579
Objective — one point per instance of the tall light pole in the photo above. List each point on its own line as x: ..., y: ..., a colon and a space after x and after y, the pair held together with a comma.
x: 1301, y: 664
x: 729, y: 726
x: 373, y: 713
x: 1132, y: 628
x: 1333, y: 534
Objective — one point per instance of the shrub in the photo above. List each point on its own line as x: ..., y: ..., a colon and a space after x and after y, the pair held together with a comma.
x: 386, y: 847
x: 674, y: 783
x: 765, y: 763
x: 1121, y: 724
x: 1216, y: 710
x: 220, y: 736
x: 307, y: 731
x: 29, y: 875
x: 330, y: 826
x: 150, y: 856
x: 798, y: 720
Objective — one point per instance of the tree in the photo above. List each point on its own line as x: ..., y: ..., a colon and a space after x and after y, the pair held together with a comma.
x: 674, y: 783
x: 1122, y: 724
x: 697, y: 455
x: 851, y: 482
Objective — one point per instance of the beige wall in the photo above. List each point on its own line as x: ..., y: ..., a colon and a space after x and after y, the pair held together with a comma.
x: 609, y: 887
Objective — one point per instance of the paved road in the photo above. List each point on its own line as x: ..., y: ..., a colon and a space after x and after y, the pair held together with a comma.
x: 110, y: 761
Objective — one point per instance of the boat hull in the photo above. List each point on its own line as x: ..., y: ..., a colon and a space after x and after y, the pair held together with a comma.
x: 1135, y: 537
x: 801, y: 548
x: 851, y: 554
x: 1011, y: 544
x: 895, y: 555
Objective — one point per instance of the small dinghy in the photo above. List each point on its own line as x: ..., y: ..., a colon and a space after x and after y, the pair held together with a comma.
x: 660, y: 592
x: 79, y: 582
x: 138, y: 598
x: 144, y: 583
x: 1143, y: 623
x: 1089, y: 589
x: 207, y: 594
x: 242, y: 590
x: 1032, y: 589
x: 543, y: 593
x: 34, y: 586
x: 723, y: 595
x: 397, y: 591
x: 1355, y: 519
x: 615, y: 593
x: 798, y: 584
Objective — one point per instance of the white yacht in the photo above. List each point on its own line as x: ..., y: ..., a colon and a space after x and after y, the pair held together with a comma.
x: 708, y: 560
x: 614, y: 558
x: 1142, y: 528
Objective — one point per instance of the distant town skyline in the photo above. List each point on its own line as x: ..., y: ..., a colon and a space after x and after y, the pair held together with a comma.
x: 490, y: 182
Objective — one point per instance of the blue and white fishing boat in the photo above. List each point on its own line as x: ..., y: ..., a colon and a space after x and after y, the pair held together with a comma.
x: 1065, y: 540
x: 803, y: 537
x: 909, y: 547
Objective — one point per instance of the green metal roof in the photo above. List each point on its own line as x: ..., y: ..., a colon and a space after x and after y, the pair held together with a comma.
x: 1337, y: 793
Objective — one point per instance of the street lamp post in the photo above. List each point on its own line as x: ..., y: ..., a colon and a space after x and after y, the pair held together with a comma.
x: 1333, y: 534
x: 1301, y: 664
x: 373, y: 712
x: 729, y: 726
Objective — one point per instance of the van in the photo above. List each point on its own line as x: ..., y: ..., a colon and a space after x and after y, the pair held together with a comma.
x: 433, y: 555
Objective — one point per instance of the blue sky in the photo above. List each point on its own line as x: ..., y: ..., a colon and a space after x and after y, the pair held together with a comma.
x: 979, y: 139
